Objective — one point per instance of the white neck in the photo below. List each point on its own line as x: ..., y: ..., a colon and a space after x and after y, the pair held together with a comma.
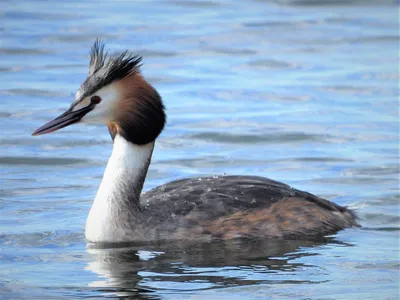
x: 117, y: 201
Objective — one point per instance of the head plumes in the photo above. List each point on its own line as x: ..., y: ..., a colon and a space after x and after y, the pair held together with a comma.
x: 104, y: 69
x: 97, y: 57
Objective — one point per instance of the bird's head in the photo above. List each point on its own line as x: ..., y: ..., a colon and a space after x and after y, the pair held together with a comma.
x: 115, y: 93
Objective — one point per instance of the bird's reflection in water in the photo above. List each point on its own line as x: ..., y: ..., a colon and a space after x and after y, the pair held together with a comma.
x: 140, y: 270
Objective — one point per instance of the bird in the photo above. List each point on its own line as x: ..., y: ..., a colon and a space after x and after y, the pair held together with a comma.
x: 116, y: 94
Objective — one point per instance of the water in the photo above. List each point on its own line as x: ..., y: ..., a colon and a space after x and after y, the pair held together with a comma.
x: 304, y: 92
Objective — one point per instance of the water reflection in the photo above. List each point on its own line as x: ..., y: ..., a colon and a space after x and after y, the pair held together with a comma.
x: 142, y: 269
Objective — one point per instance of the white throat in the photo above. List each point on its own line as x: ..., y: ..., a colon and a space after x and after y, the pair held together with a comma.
x: 113, y: 211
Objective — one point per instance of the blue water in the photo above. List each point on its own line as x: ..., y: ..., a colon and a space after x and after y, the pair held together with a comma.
x: 301, y: 91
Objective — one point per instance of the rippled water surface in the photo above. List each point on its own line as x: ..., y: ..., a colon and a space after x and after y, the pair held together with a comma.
x: 304, y: 92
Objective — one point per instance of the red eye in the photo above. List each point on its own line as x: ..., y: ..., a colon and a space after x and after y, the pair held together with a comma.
x: 95, y: 100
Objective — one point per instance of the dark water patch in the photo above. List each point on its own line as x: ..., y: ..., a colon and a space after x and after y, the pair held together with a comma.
x: 380, y: 266
x: 320, y: 159
x: 357, y: 21
x: 69, y: 143
x: 57, y: 67
x: 79, y: 37
x: 248, y: 96
x: 315, y: 20
x: 56, y: 145
x: 269, y: 24
x: 40, y: 161
x: 210, y: 161
x: 270, y: 64
x: 373, y: 76
x: 375, y: 171
x: 392, y: 199
x: 154, y: 53
x: 352, y: 90
x: 42, y: 239
x: 231, y: 51
x: 382, y: 219
x: 359, y: 180
x: 18, y: 142
x: 322, y: 3
x: 41, y: 67
x: 39, y: 15
x: 32, y: 92
x: 384, y: 229
x: 349, y: 40
x: 374, y: 39
x: 42, y: 189
x: 10, y: 69
x: 23, y: 51
x: 252, y: 138
x: 5, y: 114
x: 389, y: 200
x: 196, y: 4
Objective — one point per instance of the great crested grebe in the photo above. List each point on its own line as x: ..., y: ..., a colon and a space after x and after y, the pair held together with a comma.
x: 224, y: 207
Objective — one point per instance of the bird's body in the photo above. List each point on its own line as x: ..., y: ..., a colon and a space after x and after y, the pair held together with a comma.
x: 195, y: 208
x: 239, y: 206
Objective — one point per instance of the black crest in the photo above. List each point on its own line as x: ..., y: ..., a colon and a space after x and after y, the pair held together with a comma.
x: 104, y: 69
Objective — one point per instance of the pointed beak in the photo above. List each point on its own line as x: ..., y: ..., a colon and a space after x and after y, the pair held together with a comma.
x: 67, y: 118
